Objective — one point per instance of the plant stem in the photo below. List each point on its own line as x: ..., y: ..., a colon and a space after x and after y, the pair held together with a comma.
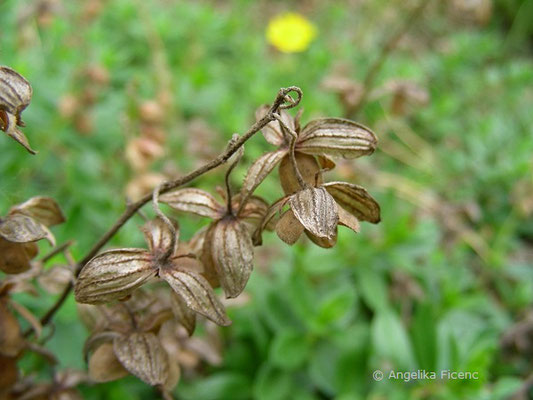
x: 279, y: 103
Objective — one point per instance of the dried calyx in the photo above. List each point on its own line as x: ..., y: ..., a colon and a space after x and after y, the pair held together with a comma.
x: 15, y: 96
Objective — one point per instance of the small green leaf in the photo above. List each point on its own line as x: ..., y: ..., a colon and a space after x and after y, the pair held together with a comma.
x: 272, y: 384
x: 289, y: 349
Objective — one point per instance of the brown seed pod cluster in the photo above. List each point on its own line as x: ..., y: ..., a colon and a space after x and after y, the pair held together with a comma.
x: 143, y: 304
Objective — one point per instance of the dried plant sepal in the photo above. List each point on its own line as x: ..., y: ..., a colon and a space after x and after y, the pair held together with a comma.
x: 183, y: 314
x: 22, y: 229
x: 159, y: 236
x: 337, y: 137
x: 349, y: 220
x: 104, y: 365
x: 196, y: 293
x: 316, y: 210
x: 356, y: 200
x: 113, y: 275
x: 174, y: 375
x: 143, y: 356
x: 254, y: 210
x: 195, y: 201
x: 42, y: 209
x: 15, y: 257
x: 232, y: 252
x: 29, y: 317
x: 15, y: 91
x: 269, y: 221
x: 11, y: 340
x: 13, y: 132
x: 309, y: 169
x: 325, y: 243
x: 272, y: 131
x: 288, y: 228
x: 15, y: 95
x: 259, y: 170
x: 10, y: 373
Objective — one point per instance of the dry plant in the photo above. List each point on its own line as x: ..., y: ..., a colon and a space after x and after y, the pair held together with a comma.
x: 142, y: 304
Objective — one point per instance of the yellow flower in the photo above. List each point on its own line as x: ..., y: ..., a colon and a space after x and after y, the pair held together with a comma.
x: 290, y: 32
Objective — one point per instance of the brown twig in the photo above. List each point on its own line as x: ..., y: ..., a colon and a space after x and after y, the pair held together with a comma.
x: 386, y: 49
x: 282, y: 101
x: 56, y: 250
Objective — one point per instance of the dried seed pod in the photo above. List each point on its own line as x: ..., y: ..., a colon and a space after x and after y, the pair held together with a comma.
x: 16, y: 257
x: 104, y: 365
x: 42, y: 209
x: 356, y: 200
x: 160, y: 237
x: 309, y: 169
x: 196, y: 293
x: 19, y: 228
x: 15, y: 96
x: 193, y: 201
x: 232, y: 252
x: 143, y: 356
x: 336, y: 137
x: 113, y: 275
x: 184, y: 315
x: 316, y: 210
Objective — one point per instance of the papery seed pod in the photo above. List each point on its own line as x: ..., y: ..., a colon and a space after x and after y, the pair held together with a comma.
x: 15, y: 96
x: 15, y: 257
x: 160, y: 237
x: 22, y: 229
x: 316, y: 210
x: 11, y: 340
x: 113, y: 275
x: 337, y: 137
x: 196, y: 293
x: 184, y: 315
x: 104, y: 365
x: 143, y: 356
x: 356, y: 200
x: 232, y: 252
x: 193, y: 201
x: 42, y: 209
x: 309, y: 169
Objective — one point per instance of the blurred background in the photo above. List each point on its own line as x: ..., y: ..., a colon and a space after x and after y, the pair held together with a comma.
x: 128, y: 93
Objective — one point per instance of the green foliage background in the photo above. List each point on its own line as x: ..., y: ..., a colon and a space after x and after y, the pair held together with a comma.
x: 406, y: 294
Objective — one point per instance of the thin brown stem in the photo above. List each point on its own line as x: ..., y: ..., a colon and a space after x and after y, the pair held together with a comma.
x: 56, y: 250
x: 282, y: 101
x: 385, y: 51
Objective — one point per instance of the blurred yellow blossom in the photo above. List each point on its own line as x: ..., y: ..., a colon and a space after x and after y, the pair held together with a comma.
x: 290, y: 32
